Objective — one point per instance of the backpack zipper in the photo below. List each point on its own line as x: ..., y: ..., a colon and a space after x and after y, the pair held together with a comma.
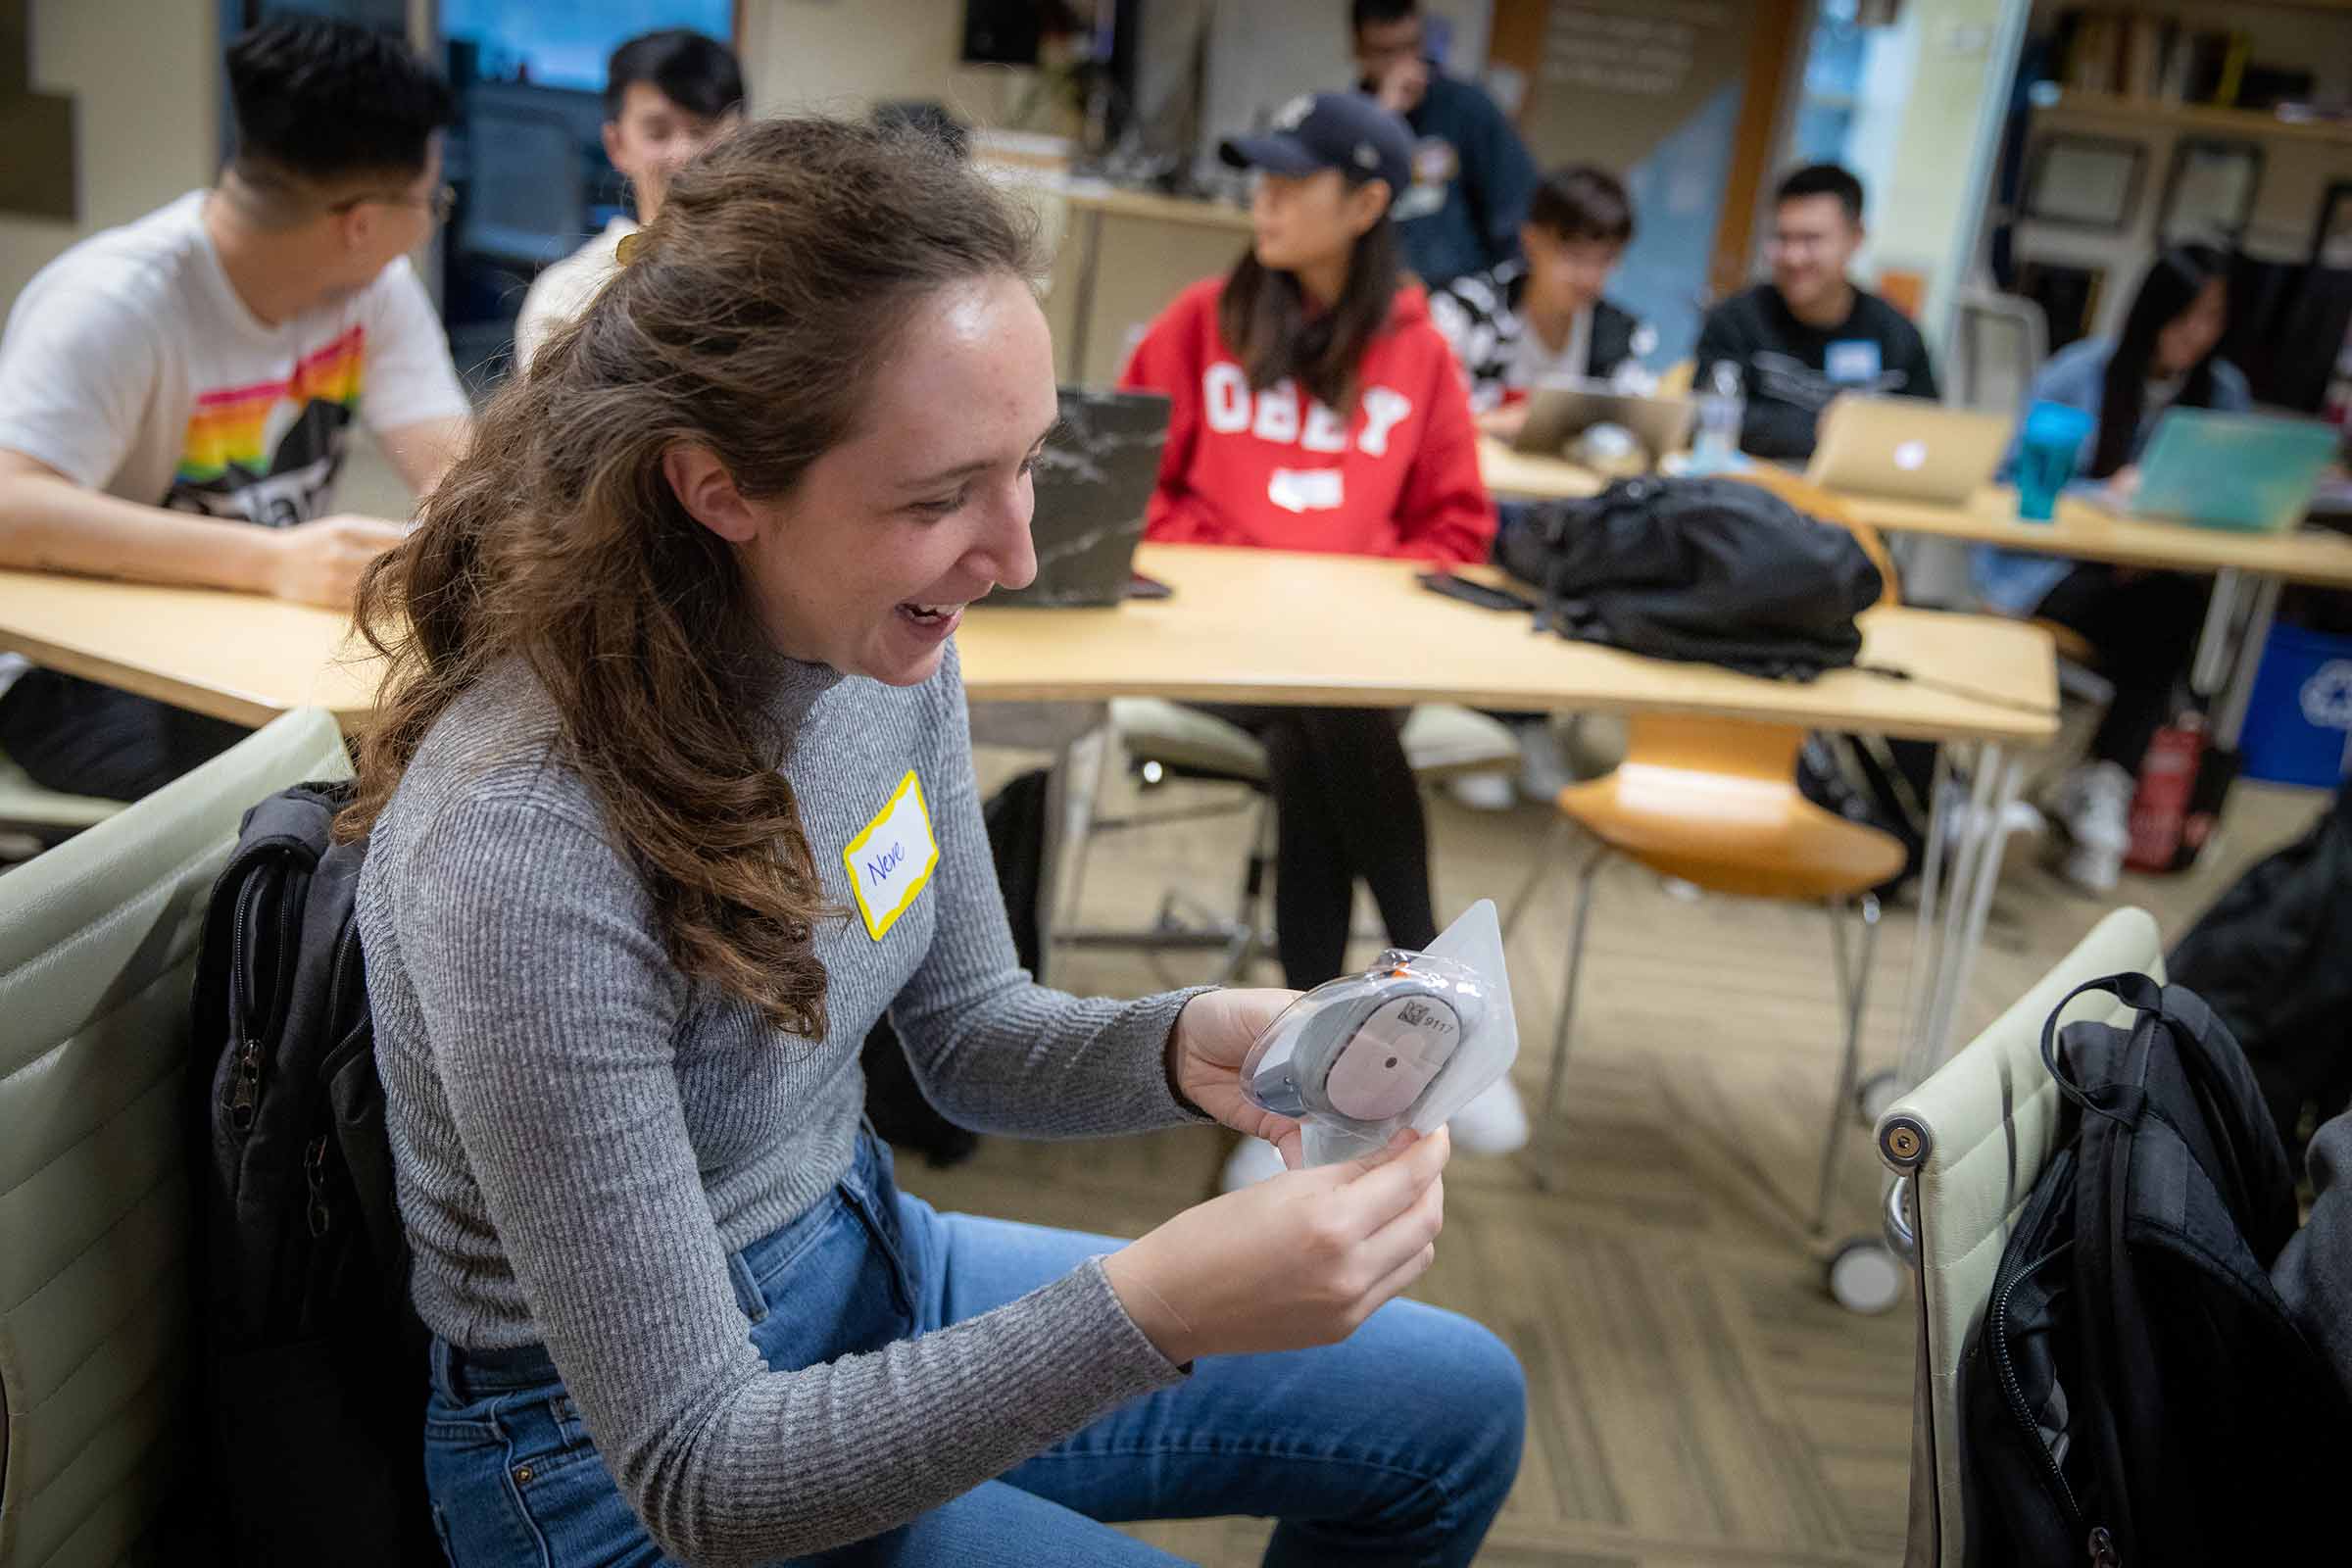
x: 246, y: 1092
x: 314, y: 1172
x: 2015, y: 1393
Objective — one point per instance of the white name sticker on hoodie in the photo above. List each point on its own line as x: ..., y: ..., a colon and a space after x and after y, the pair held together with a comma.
x: 1307, y: 489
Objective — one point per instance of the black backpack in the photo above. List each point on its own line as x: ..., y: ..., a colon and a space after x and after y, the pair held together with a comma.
x: 2273, y: 955
x: 2139, y: 1394
x: 1713, y: 570
x: 311, y: 1361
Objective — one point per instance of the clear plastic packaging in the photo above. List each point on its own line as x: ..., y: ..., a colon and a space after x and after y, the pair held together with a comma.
x: 1404, y: 1044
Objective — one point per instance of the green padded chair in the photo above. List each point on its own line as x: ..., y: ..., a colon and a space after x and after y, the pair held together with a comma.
x: 98, y: 942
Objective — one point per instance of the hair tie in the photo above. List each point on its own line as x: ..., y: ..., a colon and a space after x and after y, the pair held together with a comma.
x: 627, y: 251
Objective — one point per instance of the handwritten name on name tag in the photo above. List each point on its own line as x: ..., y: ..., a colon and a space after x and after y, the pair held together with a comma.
x: 891, y: 861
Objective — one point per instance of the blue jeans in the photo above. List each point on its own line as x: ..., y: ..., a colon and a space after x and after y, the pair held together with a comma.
x: 1396, y: 1446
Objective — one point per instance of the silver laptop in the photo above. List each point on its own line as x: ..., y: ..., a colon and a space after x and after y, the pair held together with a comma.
x: 1558, y: 411
x: 1908, y: 449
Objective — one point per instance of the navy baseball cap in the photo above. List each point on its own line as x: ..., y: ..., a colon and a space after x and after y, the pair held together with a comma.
x: 1343, y: 130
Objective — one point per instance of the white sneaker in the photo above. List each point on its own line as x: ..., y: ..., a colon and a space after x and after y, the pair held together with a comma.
x: 2094, y: 804
x: 1495, y: 1123
x: 1960, y: 817
x: 1252, y: 1161
x: 1482, y: 791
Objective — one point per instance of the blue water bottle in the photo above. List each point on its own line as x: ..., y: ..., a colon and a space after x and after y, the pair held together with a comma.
x: 2046, y: 448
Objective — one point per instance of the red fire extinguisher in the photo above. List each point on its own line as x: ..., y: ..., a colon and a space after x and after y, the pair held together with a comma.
x: 2168, y: 778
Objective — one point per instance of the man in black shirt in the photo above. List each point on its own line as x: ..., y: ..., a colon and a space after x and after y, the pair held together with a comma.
x: 1810, y: 334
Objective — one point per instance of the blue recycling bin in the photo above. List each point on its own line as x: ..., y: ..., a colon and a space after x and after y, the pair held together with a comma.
x: 2301, y: 715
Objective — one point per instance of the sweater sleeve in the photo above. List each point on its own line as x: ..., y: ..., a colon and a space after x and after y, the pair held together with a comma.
x: 992, y: 1049
x: 1443, y: 512
x: 551, y: 1012
x: 1165, y: 361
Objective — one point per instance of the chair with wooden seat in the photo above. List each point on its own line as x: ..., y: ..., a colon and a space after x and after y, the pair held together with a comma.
x: 1714, y: 803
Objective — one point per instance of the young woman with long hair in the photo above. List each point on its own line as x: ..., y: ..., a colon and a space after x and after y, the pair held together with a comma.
x: 2144, y: 624
x: 1318, y: 408
x: 670, y: 799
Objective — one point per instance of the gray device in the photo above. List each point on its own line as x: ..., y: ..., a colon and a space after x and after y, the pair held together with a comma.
x: 1367, y: 1057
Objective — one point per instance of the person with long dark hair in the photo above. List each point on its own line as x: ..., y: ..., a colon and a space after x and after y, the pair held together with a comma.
x: 2144, y: 624
x: 670, y: 799
x: 1317, y: 408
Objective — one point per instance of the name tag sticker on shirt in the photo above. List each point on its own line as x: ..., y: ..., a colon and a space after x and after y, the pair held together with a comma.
x: 1307, y: 489
x: 1852, y: 362
x: 891, y: 859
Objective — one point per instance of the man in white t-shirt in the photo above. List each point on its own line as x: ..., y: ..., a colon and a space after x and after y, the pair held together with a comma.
x: 667, y: 96
x: 177, y: 394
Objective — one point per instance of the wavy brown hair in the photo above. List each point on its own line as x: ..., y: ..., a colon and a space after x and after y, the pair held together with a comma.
x: 751, y: 314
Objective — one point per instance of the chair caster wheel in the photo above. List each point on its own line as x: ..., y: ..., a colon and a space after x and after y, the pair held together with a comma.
x: 1874, y: 1094
x: 1863, y: 1276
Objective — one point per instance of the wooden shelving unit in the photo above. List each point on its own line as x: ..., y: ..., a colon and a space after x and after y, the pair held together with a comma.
x: 2111, y: 109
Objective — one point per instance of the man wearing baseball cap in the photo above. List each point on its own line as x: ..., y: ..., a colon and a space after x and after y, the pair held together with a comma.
x: 1315, y: 407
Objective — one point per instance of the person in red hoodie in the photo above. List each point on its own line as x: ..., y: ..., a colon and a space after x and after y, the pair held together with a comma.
x: 1317, y: 408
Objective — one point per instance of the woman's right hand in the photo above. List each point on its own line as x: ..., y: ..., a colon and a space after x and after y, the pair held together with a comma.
x: 1296, y: 1260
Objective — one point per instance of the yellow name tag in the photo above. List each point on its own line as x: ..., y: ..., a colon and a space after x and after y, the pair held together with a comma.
x: 892, y: 859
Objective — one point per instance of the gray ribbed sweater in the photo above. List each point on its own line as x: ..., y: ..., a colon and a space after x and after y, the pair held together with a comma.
x: 582, y: 1135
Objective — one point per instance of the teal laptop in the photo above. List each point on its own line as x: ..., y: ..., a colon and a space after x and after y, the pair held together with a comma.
x: 2251, y: 472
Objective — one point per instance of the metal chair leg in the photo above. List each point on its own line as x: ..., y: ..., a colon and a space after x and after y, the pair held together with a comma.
x: 1576, y: 965
x: 1552, y: 840
x: 1107, y: 744
x: 1547, y: 1131
x: 1853, y: 992
x: 1250, y: 923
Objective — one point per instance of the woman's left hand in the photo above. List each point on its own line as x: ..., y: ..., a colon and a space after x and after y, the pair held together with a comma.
x: 1213, y: 1032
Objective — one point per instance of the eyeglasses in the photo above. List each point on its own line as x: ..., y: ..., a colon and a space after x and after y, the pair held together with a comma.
x: 1798, y: 243
x: 441, y: 203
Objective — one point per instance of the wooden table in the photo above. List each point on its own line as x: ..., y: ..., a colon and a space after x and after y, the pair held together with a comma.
x: 2080, y: 531
x: 237, y: 656
x: 2247, y: 568
x: 1255, y: 626
x: 1515, y: 476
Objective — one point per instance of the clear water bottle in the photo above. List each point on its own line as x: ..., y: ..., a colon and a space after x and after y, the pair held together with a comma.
x: 1721, y: 410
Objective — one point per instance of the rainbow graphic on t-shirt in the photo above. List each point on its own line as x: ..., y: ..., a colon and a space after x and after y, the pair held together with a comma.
x: 231, y: 424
